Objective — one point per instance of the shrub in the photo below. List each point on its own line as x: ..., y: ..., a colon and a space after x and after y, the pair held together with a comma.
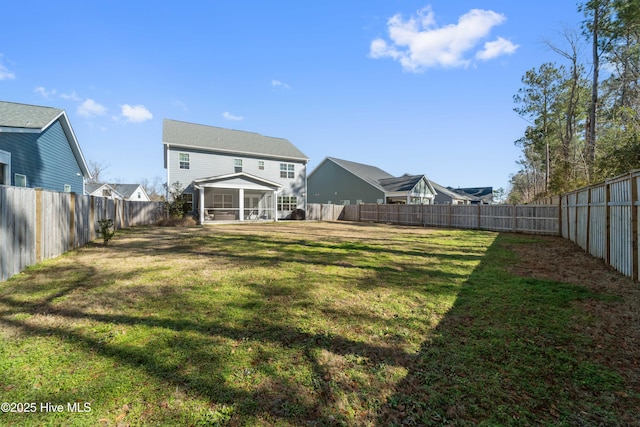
x: 175, y: 204
x: 106, y: 230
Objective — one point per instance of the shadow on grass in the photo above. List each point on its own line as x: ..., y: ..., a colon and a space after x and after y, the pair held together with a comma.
x: 505, y: 353
x: 510, y: 352
x: 202, y: 349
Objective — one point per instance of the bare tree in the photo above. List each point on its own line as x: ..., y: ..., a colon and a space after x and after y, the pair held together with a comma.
x: 154, y: 188
x: 96, y: 169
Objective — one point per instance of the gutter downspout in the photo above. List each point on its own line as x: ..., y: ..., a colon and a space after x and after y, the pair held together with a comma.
x: 166, y: 195
x: 305, y: 190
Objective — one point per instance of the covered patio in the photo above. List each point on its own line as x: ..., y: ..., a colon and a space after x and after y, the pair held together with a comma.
x: 236, y: 197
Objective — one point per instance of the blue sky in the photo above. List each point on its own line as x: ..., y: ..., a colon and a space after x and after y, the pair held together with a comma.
x: 420, y: 87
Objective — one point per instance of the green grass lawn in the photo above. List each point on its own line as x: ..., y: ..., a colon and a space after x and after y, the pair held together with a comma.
x: 296, y: 323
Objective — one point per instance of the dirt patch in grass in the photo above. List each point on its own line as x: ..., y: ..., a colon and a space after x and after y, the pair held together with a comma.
x: 616, y: 317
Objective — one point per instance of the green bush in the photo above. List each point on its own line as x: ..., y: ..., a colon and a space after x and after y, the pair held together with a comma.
x: 106, y: 230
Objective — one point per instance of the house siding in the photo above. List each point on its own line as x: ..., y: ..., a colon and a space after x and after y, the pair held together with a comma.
x: 46, y: 159
x: 329, y: 179
x: 205, y: 164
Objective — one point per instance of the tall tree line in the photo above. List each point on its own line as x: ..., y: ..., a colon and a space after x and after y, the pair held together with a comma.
x: 583, y: 109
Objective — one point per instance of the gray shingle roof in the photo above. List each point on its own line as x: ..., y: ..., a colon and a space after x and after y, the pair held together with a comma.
x: 370, y: 174
x: 401, y: 183
x: 125, y: 190
x: 26, y: 116
x: 450, y: 193
x: 228, y: 140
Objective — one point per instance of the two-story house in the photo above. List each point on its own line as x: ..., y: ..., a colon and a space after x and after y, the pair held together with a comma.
x: 234, y: 175
x: 38, y: 149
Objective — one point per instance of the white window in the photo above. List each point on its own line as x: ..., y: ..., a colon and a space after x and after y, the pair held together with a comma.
x: 184, y: 161
x: 237, y: 165
x: 358, y: 201
x: 20, y: 180
x: 287, y: 170
x: 260, y: 165
x: 67, y: 188
x: 188, y: 202
x: 287, y: 203
x: 345, y: 202
x: 5, y: 168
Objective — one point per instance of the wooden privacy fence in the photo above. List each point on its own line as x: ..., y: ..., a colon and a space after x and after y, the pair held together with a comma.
x: 603, y: 220
x: 37, y: 224
x: 324, y: 212
x: 537, y: 219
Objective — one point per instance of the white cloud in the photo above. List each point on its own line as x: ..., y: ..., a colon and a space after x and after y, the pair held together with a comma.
x: 5, y: 74
x: 278, y: 83
x: 418, y: 43
x: 136, y: 113
x: 496, y: 48
x: 73, y: 96
x: 91, y: 108
x: 45, y: 93
x: 227, y: 115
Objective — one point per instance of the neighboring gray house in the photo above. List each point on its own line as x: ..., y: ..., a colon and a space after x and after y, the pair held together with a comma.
x: 234, y: 175
x: 38, y: 149
x: 344, y: 182
x: 446, y: 196
x: 131, y: 192
x: 479, y: 195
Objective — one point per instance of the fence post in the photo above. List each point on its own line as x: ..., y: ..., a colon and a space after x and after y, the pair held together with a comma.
x: 72, y: 221
x: 515, y: 218
x: 634, y: 225
x: 588, y: 225
x: 479, y: 215
x: 92, y: 218
x: 560, y: 225
x: 607, y: 198
x: 38, y: 224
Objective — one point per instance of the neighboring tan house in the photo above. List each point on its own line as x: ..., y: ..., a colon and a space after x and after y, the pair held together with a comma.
x: 229, y: 174
x: 38, y: 149
x: 446, y: 196
x: 344, y: 182
x: 131, y: 192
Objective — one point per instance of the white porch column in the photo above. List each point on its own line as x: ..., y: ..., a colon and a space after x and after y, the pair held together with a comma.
x: 275, y: 205
x: 409, y: 198
x: 201, y: 204
x: 241, y: 204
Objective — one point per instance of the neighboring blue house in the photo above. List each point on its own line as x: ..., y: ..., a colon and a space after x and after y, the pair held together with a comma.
x: 38, y: 149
